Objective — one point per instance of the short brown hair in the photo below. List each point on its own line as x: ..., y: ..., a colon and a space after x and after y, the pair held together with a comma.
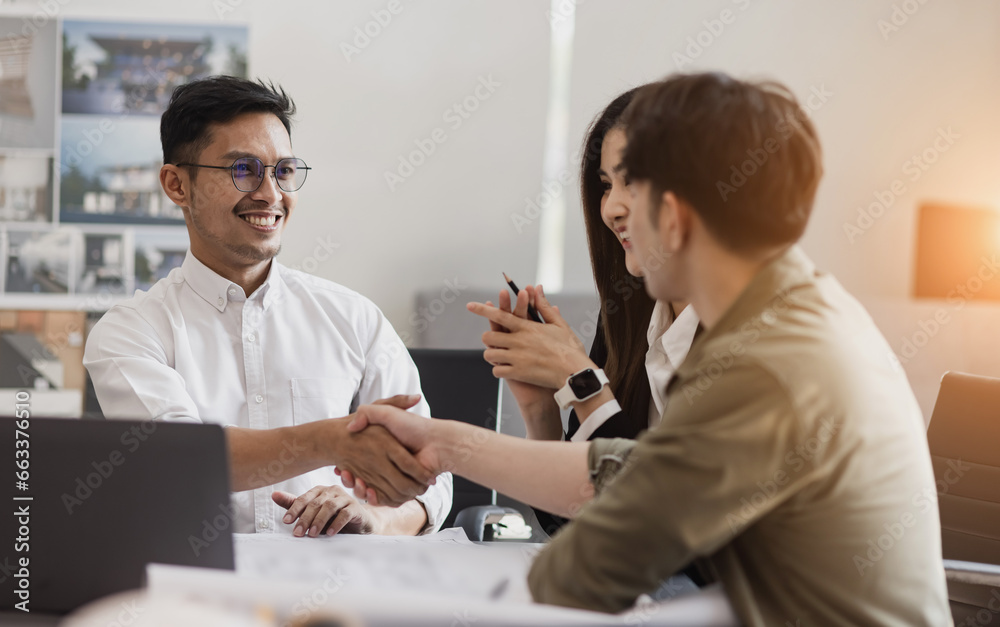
x: 743, y: 154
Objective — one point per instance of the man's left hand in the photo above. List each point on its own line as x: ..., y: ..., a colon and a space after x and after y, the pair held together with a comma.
x: 326, y: 509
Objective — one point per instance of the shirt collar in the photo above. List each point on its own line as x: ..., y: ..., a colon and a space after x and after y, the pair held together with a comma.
x: 218, y: 290
x: 677, y: 340
x: 673, y: 338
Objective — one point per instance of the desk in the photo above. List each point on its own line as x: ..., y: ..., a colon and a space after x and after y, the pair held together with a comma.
x: 436, y: 580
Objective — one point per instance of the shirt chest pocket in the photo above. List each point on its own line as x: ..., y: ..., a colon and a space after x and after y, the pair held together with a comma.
x: 318, y: 399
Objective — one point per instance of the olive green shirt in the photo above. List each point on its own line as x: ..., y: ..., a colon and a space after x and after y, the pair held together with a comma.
x: 791, y: 463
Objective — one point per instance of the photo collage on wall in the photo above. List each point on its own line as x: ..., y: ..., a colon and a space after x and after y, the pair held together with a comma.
x: 81, y: 208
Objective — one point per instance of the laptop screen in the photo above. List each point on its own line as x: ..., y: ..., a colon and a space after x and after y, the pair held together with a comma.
x: 91, y: 502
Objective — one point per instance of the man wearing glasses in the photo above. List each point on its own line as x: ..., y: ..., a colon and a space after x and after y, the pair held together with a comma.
x: 232, y: 337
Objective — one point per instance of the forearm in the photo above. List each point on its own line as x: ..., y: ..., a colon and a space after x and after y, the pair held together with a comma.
x: 406, y: 520
x: 549, y: 475
x: 542, y: 421
x: 262, y: 457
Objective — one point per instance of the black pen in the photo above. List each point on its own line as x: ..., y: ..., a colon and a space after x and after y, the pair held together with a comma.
x: 531, y: 310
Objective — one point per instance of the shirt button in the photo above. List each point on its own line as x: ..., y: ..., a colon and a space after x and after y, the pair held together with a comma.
x: 221, y: 301
x: 259, y: 398
x: 251, y: 337
x: 263, y: 523
x: 232, y: 291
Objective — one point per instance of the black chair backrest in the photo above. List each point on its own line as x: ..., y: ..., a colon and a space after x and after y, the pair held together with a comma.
x: 964, y: 439
x: 459, y: 385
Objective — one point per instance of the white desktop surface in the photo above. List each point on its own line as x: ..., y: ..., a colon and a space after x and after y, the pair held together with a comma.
x: 442, y: 579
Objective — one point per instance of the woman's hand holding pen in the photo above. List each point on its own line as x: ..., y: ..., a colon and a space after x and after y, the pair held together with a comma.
x: 535, y: 358
x: 538, y: 407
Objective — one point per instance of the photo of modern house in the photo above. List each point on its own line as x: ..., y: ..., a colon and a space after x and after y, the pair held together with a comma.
x: 127, y: 69
x: 114, y: 180
x: 43, y: 262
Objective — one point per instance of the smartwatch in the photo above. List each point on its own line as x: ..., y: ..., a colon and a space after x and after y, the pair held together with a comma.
x: 580, y: 386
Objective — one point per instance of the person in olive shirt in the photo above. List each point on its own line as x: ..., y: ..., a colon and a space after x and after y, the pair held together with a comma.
x: 791, y: 461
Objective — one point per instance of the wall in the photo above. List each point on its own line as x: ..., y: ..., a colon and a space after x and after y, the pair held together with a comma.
x: 448, y: 225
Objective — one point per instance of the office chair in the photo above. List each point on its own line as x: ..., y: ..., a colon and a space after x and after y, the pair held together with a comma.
x: 964, y: 440
x: 459, y: 385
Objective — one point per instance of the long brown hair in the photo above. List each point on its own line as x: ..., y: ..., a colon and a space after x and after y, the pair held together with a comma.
x: 625, y: 306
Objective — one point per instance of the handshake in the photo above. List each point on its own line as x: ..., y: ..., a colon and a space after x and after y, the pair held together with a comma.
x: 397, y: 454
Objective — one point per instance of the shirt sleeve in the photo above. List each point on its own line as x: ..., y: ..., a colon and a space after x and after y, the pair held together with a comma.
x: 389, y: 371
x: 131, y: 373
x: 678, y: 494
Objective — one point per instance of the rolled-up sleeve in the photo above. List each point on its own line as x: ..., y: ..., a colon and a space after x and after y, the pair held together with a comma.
x: 671, y: 496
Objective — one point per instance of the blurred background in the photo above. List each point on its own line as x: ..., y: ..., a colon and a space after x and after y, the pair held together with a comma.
x: 444, y: 139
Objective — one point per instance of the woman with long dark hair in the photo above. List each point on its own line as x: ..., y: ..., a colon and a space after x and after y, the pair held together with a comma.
x: 639, y: 343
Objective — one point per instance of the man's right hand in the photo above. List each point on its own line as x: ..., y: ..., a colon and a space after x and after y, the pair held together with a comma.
x: 394, y: 474
x: 413, y: 432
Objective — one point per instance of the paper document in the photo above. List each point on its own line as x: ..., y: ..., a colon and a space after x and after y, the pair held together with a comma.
x: 441, y: 579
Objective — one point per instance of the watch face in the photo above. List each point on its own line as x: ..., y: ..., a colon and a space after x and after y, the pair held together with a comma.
x: 585, y: 383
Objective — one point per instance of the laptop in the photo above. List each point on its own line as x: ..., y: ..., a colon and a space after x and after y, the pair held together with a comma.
x: 93, y: 502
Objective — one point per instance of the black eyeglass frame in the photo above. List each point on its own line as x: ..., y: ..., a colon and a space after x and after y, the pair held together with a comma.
x: 232, y: 172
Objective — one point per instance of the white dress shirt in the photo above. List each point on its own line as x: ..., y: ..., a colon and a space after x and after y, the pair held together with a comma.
x: 668, y: 346
x: 669, y: 343
x: 196, y: 348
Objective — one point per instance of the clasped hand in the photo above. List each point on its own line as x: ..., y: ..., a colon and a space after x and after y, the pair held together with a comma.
x: 523, y: 350
x: 392, y: 472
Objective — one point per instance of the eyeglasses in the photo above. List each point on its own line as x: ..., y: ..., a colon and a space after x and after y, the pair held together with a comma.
x: 248, y: 173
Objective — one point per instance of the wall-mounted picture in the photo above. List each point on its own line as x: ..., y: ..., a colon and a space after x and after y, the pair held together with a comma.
x: 25, y: 188
x: 156, y: 254
x: 66, y: 261
x: 102, y: 267
x: 27, y: 83
x: 124, y: 68
x: 43, y: 262
x: 111, y: 170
